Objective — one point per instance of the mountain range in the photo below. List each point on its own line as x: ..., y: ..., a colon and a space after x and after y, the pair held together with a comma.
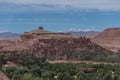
x: 76, y: 33
x: 84, y: 33
x: 5, y: 35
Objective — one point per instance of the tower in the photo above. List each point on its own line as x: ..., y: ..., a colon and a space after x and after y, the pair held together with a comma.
x: 40, y: 28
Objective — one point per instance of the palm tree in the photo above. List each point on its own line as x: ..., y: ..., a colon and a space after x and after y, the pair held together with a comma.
x: 2, y: 60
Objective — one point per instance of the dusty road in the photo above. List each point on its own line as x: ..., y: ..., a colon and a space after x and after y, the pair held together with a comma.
x: 88, y: 62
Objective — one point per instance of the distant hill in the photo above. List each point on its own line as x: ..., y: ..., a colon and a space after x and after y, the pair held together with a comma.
x: 9, y: 35
x: 109, y: 38
x: 110, y: 34
x: 88, y: 34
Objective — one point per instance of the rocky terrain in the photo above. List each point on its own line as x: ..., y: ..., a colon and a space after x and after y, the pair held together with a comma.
x: 109, y: 39
x: 45, y: 43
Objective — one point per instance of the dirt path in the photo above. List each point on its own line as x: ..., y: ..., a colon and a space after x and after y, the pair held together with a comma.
x: 88, y: 62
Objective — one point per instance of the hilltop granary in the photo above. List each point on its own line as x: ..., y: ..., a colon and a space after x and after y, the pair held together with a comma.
x: 54, y: 45
x: 3, y: 76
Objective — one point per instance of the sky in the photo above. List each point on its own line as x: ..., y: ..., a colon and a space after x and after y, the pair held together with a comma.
x: 58, y: 15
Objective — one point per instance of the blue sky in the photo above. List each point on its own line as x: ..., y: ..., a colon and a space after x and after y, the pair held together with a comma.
x: 58, y: 15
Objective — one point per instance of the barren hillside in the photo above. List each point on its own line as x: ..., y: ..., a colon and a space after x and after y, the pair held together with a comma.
x: 109, y: 39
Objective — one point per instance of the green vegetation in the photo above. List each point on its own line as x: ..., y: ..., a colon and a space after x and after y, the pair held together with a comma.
x: 35, y: 68
x: 96, y: 57
x: 2, y: 60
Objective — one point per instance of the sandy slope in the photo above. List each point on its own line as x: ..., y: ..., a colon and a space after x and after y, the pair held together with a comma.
x: 109, y: 39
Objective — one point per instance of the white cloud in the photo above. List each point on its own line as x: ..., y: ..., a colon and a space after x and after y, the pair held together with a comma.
x: 79, y: 29
x: 72, y: 29
x: 80, y: 4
